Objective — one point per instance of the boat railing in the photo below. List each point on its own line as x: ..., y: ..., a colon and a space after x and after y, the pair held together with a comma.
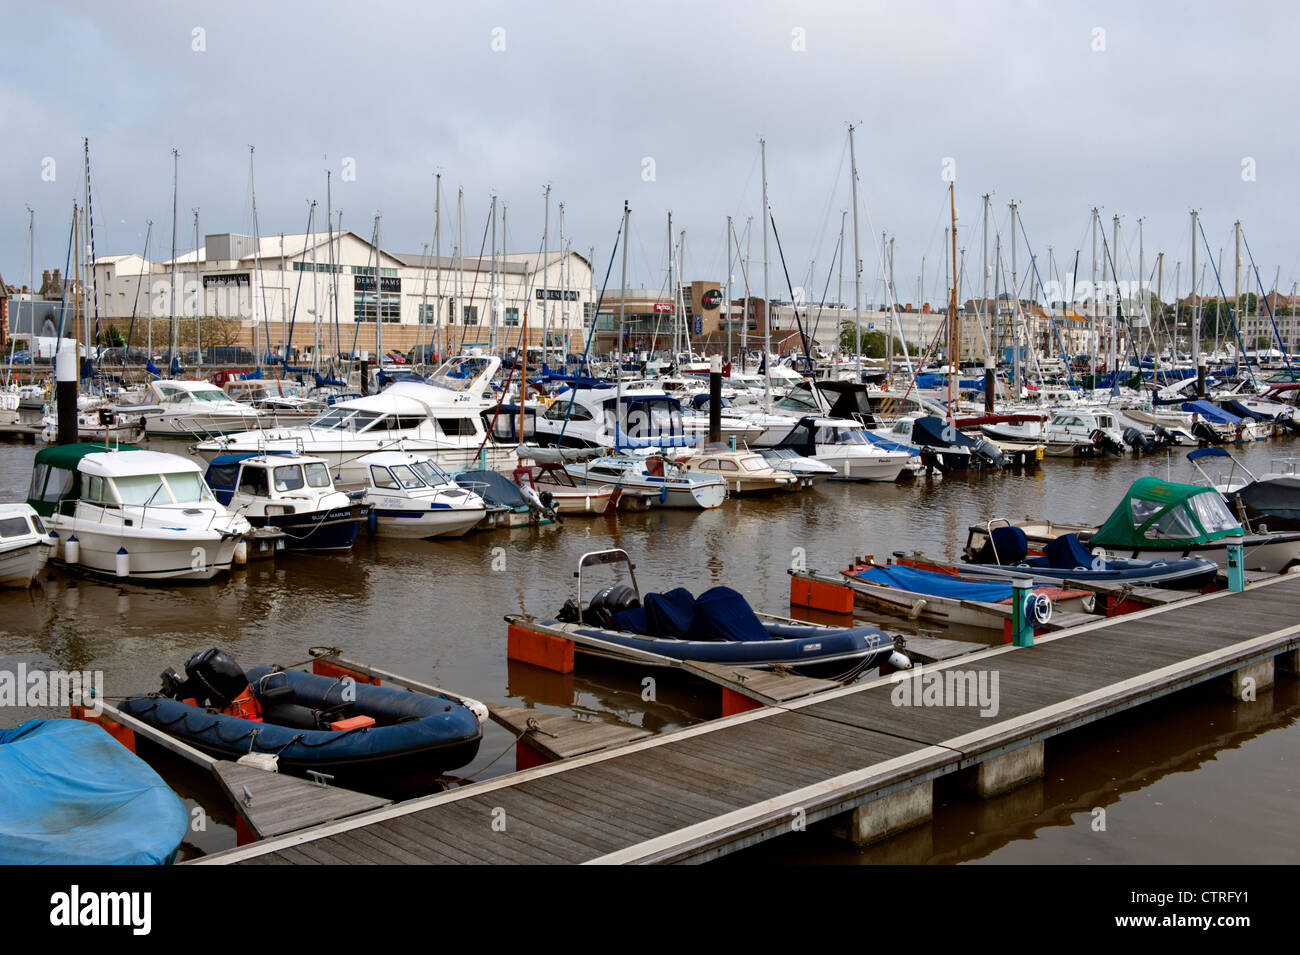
x: 593, y: 558
x: 988, y: 532
x: 1283, y: 466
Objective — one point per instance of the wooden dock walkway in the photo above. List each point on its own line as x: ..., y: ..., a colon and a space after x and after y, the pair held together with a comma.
x: 707, y: 790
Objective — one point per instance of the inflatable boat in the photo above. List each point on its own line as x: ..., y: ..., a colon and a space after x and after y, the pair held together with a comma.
x: 719, y: 626
x: 359, y: 733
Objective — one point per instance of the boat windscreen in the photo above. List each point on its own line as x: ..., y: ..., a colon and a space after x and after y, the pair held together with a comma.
x: 430, y: 473
x: 188, y: 487
x: 318, y: 475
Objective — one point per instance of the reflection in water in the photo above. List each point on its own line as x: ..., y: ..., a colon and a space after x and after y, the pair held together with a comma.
x: 432, y: 610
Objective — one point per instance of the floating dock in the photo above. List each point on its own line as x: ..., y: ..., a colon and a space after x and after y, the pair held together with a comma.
x: 854, y: 754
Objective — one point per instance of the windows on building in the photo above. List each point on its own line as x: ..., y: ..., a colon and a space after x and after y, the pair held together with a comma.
x: 364, y: 307
x: 470, y: 314
x: 512, y: 317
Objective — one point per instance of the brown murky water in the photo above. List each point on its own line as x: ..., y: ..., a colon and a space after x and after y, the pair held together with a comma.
x: 1191, y: 780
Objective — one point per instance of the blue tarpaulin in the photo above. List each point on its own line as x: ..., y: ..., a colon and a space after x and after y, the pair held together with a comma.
x: 70, y: 794
x: 932, y: 584
x: 1210, y: 412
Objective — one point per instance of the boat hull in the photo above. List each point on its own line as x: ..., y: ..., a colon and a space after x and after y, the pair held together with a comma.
x: 408, y: 523
x: 196, y: 556
x: 20, y: 565
x: 329, y: 530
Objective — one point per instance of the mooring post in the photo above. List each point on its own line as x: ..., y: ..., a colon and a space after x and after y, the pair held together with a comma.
x: 1022, y: 616
x: 988, y: 383
x: 715, y: 399
x: 1236, y: 568
x: 65, y: 376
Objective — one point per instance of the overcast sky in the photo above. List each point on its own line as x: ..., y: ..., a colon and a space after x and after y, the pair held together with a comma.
x: 1146, y: 113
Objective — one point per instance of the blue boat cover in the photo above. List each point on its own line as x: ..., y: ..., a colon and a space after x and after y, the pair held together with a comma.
x: 723, y: 614
x: 1241, y: 411
x: 1207, y: 453
x: 1067, y: 552
x: 661, y: 615
x: 936, y: 433
x: 933, y: 584
x: 1211, y: 413
x: 1009, y: 545
x: 70, y: 794
x: 882, y: 442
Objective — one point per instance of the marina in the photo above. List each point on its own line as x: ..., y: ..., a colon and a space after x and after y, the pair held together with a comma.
x: 809, y: 468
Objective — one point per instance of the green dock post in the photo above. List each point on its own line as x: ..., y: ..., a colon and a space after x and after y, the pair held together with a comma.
x: 1236, y: 568
x: 1022, y: 611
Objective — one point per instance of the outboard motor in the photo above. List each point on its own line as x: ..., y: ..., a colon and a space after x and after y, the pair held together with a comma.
x: 1138, y: 441
x: 988, y: 454
x: 212, y: 678
x: 1105, y: 443
x: 1205, y: 434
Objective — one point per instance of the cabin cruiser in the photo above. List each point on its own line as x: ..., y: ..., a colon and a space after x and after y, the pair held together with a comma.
x: 732, y: 425
x: 406, y: 416
x: 842, y: 444
x: 745, y: 472
x: 411, y: 497
x: 1083, y: 433
x: 25, y: 545
x: 808, y: 470
x: 601, y: 417
x: 670, y: 484
x: 130, y: 513
x: 291, y: 492
x: 174, y: 408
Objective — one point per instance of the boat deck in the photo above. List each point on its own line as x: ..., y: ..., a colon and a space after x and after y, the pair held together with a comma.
x: 711, y: 789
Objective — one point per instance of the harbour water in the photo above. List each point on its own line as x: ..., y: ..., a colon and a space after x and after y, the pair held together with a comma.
x: 1195, y: 780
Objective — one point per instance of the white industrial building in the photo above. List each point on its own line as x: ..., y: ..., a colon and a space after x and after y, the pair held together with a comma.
x: 298, y: 292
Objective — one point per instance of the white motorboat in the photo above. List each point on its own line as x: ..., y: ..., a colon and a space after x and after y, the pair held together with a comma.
x: 25, y: 545
x: 670, y: 484
x: 175, y: 408
x: 411, y: 416
x: 293, y: 493
x: 841, y: 443
x: 1082, y: 433
x: 135, y: 514
x: 411, y: 497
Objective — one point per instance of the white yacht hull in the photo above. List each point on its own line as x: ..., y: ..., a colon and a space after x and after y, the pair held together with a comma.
x: 19, y: 565
x: 154, y: 554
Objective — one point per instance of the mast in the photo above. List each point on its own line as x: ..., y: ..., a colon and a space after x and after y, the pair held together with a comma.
x: 1016, y: 371
x: 730, y: 266
x: 460, y: 272
x: 671, y: 293
x: 315, y: 294
x: 492, y: 281
x: 984, y: 284
x: 622, y: 307
x: 284, y: 310
x: 546, y: 270
x: 257, y: 260
x: 744, y: 327
x: 1195, y: 319
x: 437, y: 259
x: 767, y: 304
x: 1092, y: 312
x: 379, y: 312
x: 839, y: 296
x: 199, y: 302
x: 857, y: 263
x: 952, y: 305
x: 1114, y: 318
x: 171, y: 325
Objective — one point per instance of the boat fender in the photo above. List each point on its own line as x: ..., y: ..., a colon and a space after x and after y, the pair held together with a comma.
x: 241, y: 552
x: 479, y: 710
x: 72, y: 550
x: 899, y: 661
x: 122, y: 563
x: 268, y: 762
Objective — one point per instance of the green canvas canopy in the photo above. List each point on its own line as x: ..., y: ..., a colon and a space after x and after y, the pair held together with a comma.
x: 55, y: 477
x: 1166, y: 514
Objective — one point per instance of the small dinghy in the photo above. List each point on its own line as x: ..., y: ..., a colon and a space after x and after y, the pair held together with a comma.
x: 719, y: 626
x: 1006, y: 555
x: 363, y: 734
x: 953, y: 599
x: 70, y: 794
